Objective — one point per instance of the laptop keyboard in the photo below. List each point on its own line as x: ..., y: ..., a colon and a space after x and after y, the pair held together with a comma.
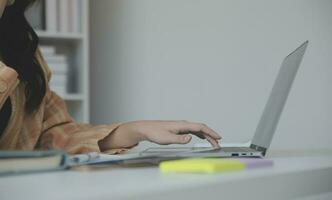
x: 233, y: 149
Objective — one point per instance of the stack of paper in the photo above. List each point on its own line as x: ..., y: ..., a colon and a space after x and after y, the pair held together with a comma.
x: 58, y: 64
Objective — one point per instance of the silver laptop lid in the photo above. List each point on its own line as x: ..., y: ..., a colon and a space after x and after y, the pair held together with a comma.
x: 276, y: 102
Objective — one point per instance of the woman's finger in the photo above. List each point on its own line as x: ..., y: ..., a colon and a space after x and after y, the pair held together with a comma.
x: 213, y: 133
x: 183, y: 126
x: 212, y: 141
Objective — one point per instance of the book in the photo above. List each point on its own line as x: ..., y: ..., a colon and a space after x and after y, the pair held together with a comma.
x: 47, y: 50
x: 59, y: 79
x: 74, y: 23
x: 51, y: 15
x: 12, y: 162
x: 60, y: 68
x: 58, y: 64
x: 56, y: 58
x: 63, y: 16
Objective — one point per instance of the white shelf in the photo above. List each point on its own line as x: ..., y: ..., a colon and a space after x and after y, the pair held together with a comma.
x: 59, y: 35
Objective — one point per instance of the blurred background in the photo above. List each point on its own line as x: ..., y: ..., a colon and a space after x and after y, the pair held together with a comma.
x: 212, y: 61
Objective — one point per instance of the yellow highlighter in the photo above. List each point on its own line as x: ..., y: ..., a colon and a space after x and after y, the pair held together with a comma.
x: 202, y: 165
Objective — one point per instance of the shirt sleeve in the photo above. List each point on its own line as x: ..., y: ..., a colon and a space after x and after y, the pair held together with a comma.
x: 60, y: 131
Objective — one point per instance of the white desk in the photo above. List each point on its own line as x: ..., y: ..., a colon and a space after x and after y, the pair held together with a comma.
x: 292, y: 177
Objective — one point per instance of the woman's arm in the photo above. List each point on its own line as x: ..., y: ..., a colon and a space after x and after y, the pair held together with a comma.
x: 160, y: 132
x: 60, y: 131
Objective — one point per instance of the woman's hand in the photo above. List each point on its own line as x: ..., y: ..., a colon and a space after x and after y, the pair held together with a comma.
x: 160, y: 132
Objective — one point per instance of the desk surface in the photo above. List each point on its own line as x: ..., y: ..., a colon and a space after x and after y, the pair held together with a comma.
x: 291, y: 177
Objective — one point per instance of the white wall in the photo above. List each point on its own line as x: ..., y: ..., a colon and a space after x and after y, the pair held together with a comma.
x: 212, y: 61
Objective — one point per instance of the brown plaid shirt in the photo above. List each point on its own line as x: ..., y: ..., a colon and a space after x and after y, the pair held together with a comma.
x: 50, y: 127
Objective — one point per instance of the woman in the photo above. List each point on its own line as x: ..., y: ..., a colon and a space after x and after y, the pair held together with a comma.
x: 34, y: 117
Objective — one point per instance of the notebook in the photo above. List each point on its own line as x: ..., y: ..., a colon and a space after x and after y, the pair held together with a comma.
x: 12, y: 162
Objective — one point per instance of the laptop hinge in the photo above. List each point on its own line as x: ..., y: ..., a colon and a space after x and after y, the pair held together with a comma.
x: 258, y: 148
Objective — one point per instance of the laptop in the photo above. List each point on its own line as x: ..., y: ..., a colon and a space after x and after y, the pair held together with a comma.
x: 266, y: 126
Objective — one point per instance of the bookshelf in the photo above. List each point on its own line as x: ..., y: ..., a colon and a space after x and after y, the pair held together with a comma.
x: 72, y: 44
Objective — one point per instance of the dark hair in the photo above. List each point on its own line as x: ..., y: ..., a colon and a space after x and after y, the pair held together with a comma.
x: 18, y: 45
